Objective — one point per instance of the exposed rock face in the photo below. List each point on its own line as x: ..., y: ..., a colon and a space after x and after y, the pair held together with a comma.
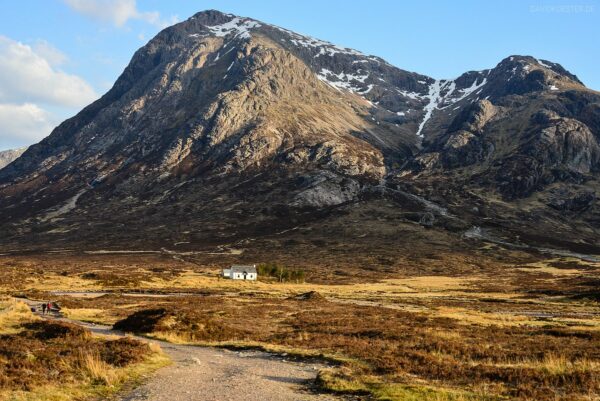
x: 8, y: 156
x: 225, y: 128
x: 560, y: 149
x: 327, y: 190
x: 565, y: 143
x: 474, y: 118
x: 463, y: 144
x: 569, y: 200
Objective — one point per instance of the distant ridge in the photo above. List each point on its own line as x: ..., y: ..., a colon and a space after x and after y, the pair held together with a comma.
x: 7, y: 156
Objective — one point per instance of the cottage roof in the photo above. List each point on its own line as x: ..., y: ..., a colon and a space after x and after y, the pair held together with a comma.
x: 243, y: 268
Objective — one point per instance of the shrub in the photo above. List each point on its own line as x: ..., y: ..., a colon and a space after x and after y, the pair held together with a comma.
x: 145, y: 321
x: 280, y: 272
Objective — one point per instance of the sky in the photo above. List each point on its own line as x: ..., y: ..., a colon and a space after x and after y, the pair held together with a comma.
x: 57, y: 56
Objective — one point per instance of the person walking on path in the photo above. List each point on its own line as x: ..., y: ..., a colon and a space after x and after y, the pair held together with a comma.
x: 49, y: 307
x: 44, y: 308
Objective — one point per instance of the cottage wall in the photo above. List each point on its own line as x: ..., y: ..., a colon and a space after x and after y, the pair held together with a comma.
x: 240, y: 276
x: 239, y: 272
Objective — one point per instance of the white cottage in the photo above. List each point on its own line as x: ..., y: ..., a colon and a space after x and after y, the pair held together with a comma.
x: 240, y: 272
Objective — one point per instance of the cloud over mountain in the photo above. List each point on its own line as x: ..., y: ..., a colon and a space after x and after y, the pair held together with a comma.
x: 118, y: 12
x: 30, y: 86
x: 24, y: 123
x: 26, y: 76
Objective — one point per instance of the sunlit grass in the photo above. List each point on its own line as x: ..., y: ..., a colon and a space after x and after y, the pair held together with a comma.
x: 13, y: 314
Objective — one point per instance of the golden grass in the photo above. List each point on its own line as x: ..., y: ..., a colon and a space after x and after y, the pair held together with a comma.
x: 539, y: 268
x: 391, y: 289
x: 470, y: 316
x: 12, y: 314
x: 556, y: 364
x: 190, y: 279
x: 102, y: 380
x: 99, y: 379
x: 91, y: 315
x: 546, y: 266
x: 97, y: 370
x: 402, y: 392
x: 344, y: 382
x: 57, y: 282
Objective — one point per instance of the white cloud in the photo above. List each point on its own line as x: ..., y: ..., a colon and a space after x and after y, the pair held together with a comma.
x: 24, y: 124
x: 26, y: 76
x: 30, y: 86
x: 50, y: 53
x: 118, y: 12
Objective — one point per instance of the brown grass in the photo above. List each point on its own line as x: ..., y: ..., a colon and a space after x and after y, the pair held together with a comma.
x: 452, y: 328
x: 44, y: 360
x: 395, y: 346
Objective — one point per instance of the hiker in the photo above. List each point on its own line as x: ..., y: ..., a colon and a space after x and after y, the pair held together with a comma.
x: 49, y: 307
x: 43, y: 309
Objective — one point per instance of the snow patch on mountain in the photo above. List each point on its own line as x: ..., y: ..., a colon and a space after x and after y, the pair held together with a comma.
x: 239, y: 27
x: 441, y: 93
x: 468, y: 91
x: 540, y: 62
x: 345, y: 80
x: 411, y: 95
x: 369, y: 88
x: 324, y: 47
x: 434, y: 99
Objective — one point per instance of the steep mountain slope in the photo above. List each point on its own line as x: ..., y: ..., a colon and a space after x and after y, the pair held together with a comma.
x: 7, y: 156
x: 223, y: 129
x: 522, y: 156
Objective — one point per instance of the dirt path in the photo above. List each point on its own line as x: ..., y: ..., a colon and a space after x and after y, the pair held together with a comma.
x: 210, y: 374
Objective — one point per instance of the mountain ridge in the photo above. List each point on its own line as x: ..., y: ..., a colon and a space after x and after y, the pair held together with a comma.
x: 220, y: 104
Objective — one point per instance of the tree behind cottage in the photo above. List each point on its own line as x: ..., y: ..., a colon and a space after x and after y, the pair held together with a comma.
x: 280, y: 272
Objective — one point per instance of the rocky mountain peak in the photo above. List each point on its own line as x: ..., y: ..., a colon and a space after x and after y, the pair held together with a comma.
x: 526, y: 64
x: 222, y: 118
x: 211, y: 17
x: 519, y: 75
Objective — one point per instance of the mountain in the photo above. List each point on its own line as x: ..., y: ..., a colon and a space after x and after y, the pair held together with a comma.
x: 7, y: 156
x: 224, y: 131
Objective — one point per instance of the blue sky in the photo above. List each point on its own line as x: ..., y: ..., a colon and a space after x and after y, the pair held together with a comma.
x: 56, y: 56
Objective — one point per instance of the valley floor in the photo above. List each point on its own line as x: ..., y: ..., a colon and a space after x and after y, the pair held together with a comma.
x: 526, y: 330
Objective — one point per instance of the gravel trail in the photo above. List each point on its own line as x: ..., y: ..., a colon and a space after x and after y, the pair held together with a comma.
x: 211, y: 374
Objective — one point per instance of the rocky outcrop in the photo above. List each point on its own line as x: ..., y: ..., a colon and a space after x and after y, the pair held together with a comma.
x: 465, y: 144
x: 326, y: 190
x: 554, y: 149
x: 564, y: 143
x: 567, y: 199
x: 474, y: 118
